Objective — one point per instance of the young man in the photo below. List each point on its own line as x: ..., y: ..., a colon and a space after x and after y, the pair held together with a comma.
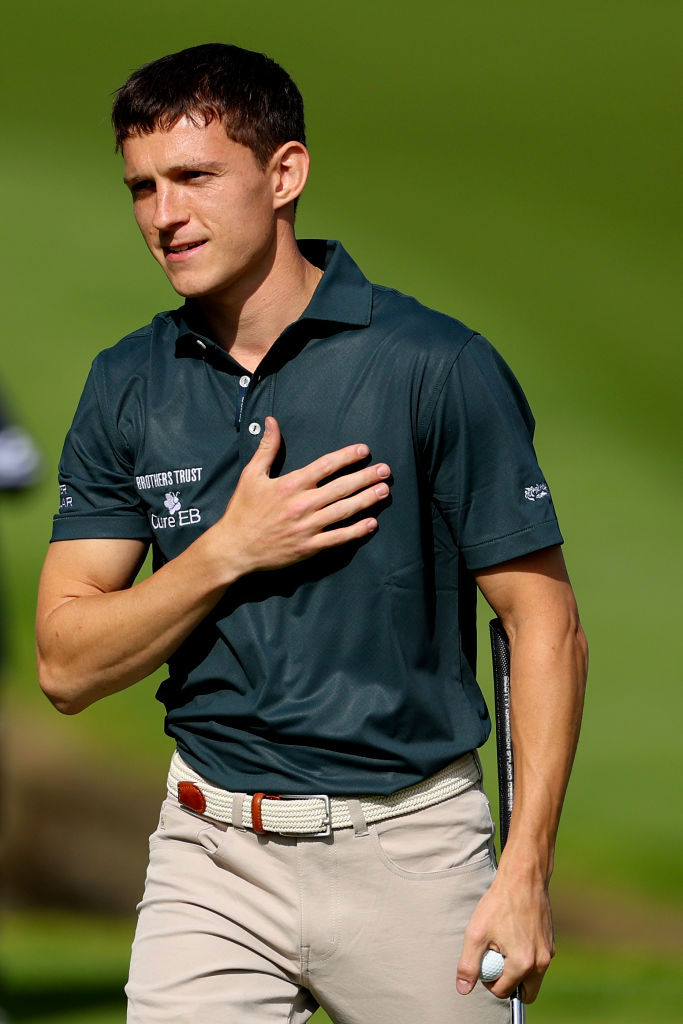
x: 326, y: 470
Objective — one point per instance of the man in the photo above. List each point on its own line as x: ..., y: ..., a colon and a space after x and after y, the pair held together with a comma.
x: 325, y: 470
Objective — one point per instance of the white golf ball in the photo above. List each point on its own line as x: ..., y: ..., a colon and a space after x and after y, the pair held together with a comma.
x: 492, y: 965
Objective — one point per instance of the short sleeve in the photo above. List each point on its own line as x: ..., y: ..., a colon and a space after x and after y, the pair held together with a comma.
x: 485, y: 477
x: 97, y: 490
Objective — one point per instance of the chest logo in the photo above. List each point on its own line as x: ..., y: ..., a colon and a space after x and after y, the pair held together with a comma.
x: 177, y: 515
x: 171, y: 501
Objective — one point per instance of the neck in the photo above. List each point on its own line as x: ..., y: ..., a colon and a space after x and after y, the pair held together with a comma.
x: 246, y: 324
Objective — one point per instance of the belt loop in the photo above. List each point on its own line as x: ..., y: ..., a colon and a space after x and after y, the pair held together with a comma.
x: 256, y: 820
x: 238, y: 811
x: 357, y: 815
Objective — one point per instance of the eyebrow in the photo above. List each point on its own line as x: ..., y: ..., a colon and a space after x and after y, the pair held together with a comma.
x: 193, y: 165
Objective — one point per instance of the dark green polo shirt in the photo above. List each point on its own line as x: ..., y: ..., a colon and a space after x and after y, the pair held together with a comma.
x: 353, y: 672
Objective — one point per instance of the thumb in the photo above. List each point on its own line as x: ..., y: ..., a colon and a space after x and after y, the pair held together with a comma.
x: 468, y: 968
x: 264, y: 456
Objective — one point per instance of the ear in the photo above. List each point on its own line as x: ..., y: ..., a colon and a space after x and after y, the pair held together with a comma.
x: 289, y: 170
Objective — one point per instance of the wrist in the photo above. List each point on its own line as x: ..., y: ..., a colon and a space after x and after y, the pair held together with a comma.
x: 530, y: 863
x: 216, y: 561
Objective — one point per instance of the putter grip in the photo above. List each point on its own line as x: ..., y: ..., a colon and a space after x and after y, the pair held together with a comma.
x: 500, y: 653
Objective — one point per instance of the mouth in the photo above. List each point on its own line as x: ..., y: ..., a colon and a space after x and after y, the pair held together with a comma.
x: 181, y: 252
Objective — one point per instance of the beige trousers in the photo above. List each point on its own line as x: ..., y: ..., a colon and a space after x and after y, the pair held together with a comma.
x: 236, y: 928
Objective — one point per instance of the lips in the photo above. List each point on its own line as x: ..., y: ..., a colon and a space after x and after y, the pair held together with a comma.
x: 181, y: 252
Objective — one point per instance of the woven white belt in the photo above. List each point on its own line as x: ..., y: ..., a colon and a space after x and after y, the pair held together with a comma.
x: 314, y: 814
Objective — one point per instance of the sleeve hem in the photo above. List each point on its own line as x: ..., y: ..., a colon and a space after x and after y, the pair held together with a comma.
x: 514, y: 545
x: 123, y: 527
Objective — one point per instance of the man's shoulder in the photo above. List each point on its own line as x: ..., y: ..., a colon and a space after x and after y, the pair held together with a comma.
x: 132, y: 354
x: 413, y: 324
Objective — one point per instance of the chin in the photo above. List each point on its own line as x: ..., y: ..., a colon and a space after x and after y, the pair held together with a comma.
x: 189, y: 289
x: 186, y: 292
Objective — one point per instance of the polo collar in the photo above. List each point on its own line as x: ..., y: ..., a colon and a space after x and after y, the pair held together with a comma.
x: 343, y: 295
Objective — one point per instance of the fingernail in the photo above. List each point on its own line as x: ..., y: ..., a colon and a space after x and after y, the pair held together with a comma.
x: 464, y: 986
x: 381, y: 490
x: 363, y: 449
x: 383, y: 470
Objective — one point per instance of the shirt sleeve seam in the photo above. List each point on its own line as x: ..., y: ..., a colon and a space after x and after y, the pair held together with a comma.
x: 438, y: 390
x: 514, y: 533
x: 115, y: 438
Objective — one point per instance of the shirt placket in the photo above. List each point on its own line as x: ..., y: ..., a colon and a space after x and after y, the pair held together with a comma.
x: 254, y: 403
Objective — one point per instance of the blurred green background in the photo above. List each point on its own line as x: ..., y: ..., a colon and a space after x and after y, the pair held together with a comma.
x: 516, y: 165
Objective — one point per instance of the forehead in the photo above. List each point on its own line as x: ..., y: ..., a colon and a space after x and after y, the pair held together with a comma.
x: 185, y: 144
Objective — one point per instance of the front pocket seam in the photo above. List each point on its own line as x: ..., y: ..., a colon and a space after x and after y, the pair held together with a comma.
x: 476, y: 864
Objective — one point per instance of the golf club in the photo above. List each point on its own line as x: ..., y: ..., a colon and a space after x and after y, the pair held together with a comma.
x: 500, y: 652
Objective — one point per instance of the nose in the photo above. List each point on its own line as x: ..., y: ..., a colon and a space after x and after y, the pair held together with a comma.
x: 169, y: 208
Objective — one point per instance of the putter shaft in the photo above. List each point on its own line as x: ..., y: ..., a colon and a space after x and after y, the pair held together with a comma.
x: 518, y: 1011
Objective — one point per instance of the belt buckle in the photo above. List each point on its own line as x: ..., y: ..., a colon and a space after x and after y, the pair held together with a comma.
x: 327, y: 826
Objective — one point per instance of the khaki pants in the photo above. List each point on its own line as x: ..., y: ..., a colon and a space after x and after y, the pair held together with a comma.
x: 236, y: 927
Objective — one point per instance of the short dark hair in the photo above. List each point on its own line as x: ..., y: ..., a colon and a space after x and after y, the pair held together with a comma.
x: 253, y: 96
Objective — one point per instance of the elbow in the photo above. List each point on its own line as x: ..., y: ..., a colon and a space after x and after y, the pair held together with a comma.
x: 60, y: 693
x: 65, y: 706
x: 64, y: 702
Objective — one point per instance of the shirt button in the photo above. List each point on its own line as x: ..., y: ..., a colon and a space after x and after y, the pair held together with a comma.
x: 254, y: 428
x: 245, y: 381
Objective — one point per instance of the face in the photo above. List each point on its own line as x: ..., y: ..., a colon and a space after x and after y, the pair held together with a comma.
x: 205, y: 207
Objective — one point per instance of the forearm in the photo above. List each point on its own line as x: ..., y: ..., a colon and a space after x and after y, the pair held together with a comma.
x: 95, y: 643
x: 547, y: 681
x: 534, y: 599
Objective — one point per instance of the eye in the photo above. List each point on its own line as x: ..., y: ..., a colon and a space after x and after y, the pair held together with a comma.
x: 140, y: 188
x: 194, y: 175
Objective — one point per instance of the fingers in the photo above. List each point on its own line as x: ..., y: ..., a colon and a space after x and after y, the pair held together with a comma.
x: 523, y: 972
x: 338, y: 511
x: 470, y: 963
x: 329, y: 464
x: 530, y: 987
x: 345, y: 497
x: 284, y: 519
x: 350, y: 483
x: 344, y: 534
x: 315, y: 472
x: 306, y: 482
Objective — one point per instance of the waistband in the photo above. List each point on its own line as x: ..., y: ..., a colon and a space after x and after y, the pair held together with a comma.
x: 314, y: 814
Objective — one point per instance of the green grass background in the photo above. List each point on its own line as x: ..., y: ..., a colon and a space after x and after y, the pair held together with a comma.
x: 516, y: 165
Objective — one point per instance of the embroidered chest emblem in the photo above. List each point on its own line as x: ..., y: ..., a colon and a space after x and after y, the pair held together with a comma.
x: 176, y: 514
x: 172, y: 501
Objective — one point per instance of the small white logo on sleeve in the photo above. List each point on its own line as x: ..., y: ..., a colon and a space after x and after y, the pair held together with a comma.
x: 65, y: 499
x: 537, y: 491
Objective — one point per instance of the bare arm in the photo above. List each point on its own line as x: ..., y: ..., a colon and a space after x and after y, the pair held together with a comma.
x: 97, y: 633
x: 548, y: 665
